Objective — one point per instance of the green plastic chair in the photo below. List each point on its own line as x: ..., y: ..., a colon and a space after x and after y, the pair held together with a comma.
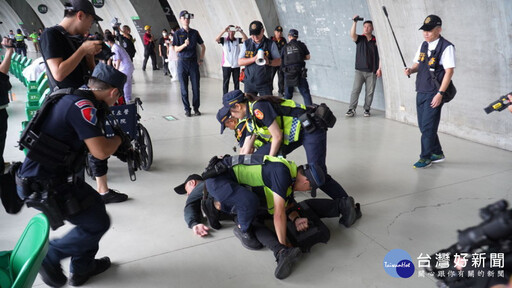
x: 19, y: 267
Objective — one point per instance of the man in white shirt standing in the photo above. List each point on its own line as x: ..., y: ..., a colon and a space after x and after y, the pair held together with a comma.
x: 438, y: 55
x: 230, y: 51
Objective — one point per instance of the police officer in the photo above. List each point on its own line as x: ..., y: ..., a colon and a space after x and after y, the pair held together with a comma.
x: 258, y: 78
x: 276, y: 120
x: 278, y: 179
x: 294, y: 67
x: 21, y: 47
x: 239, y: 126
x: 79, y: 203
x: 69, y: 63
x: 185, y: 42
x: 280, y: 42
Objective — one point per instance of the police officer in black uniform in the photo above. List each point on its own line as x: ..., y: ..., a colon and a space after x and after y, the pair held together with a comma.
x: 258, y: 79
x: 293, y: 65
x: 74, y: 122
x: 185, y: 42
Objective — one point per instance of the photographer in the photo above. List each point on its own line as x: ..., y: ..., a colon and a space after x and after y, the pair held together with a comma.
x: 185, y: 42
x: 5, y: 86
x: 68, y: 59
x: 125, y: 38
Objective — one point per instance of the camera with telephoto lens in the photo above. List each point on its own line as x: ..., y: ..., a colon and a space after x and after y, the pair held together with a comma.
x: 493, y: 235
x: 188, y: 16
x: 105, y: 53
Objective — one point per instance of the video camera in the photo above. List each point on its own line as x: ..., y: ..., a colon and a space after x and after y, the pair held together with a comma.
x: 8, y: 42
x: 358, y: 19
x: 105, y: 53
x: 498, y: 105
x: 188, y: 16
x: 493, y: 235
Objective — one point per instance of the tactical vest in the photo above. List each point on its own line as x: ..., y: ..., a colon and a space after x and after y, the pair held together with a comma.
x: 20, y: 40
x: 248, y: 171
x: 241, y: 127
x: 424, y: 83
x: 293, y: 55
x: 254, y: 74
x: 288, y: 120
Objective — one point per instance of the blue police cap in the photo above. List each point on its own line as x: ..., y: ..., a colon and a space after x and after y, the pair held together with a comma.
x: 231, y: 98
x: 222, y: 116
x: 315, y: 175
x: 109, y: 75
x: 293, y: 33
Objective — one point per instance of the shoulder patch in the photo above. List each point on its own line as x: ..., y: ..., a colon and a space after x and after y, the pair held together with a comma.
x: 258, y: 114
x: 89, y: 115
x: 83, y: 103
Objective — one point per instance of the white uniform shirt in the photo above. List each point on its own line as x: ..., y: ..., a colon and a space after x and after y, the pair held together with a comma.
x: 447, y: 58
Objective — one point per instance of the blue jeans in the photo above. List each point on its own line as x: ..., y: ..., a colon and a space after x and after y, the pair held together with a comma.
x: 315, y: 144
x: 186, y: 69
x: 303, y: 89
x: 428, y: 122
x: 234, y: 199
x: 82, y: 242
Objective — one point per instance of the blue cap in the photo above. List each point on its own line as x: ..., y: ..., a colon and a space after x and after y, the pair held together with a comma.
x: 231, y: 98
x: 109, y: 75
x: 293, y: 33
x: 222, y: 116
x: 315, y: 175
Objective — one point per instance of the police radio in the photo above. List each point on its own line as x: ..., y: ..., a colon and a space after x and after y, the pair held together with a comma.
x: 260, y: 57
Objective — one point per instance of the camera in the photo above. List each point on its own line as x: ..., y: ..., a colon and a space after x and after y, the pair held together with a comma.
x: 358, y: 19
x: 188, y: 16
x: 232, y: 29
x: 115, y: 23
x: 105, y: 53
x: 8, y: 42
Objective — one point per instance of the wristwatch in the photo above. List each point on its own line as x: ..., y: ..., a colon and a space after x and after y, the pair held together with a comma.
x: 443, y: 93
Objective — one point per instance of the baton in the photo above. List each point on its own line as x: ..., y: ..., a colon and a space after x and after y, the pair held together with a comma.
x: 400, y: 51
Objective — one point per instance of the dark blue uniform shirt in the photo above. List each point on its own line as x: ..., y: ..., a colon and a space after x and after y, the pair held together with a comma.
x: 264, y: 113
x: 193, y: 37
x: 276, y: 176
x: 71, y: 120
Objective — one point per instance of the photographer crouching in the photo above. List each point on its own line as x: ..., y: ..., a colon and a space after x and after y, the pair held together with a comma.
x: 47, y: 180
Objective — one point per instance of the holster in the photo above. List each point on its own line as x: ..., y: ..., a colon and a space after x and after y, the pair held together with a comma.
x: 316, y: 233
x: 41, y: 195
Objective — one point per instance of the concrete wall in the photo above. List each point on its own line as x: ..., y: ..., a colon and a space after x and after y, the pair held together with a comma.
x: 325, y: 28
x: 483, y: 43
x: 211, y: 17
x: 55, y: 11
x: 28, y: 17
x: 9, y: 18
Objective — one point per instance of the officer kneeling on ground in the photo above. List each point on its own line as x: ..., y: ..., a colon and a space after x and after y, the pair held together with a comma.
x: 72, y: 126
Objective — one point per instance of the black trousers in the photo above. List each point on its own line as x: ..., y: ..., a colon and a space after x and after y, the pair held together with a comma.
x: 149, y: 53
x: 3, y: 134
x: 228, y: 72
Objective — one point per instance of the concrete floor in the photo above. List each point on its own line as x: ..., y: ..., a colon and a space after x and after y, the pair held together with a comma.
x: 150, y: 245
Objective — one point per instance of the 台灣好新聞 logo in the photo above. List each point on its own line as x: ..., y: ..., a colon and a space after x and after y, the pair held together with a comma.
x: 398, y: 263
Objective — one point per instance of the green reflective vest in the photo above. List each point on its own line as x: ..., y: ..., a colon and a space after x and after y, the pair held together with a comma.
x: 290, y: 125
x: 239, y: 133
x: 248, y: 171
x: 19, y: 37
